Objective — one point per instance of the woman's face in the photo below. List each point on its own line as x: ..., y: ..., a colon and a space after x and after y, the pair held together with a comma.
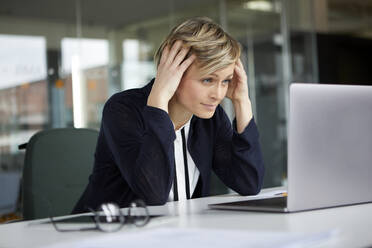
x: 199, y: 95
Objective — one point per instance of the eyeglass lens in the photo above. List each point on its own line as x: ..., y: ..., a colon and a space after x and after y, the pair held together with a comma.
x: 109, y: 217
x: 138, y: 213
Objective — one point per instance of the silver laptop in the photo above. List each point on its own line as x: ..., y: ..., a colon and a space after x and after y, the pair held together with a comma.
x: 329, y: 150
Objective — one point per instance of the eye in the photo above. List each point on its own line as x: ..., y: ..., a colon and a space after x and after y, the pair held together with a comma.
x: 207, y: 80
x: 226, y: 81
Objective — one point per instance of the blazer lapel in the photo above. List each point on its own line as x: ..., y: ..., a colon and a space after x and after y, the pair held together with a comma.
x: 196, y: 149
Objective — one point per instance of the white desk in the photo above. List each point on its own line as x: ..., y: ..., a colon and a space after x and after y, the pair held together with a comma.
x: 353, y: 222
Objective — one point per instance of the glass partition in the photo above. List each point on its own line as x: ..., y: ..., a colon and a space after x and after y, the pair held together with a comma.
x: 58, y: 68
x: 23, y: 94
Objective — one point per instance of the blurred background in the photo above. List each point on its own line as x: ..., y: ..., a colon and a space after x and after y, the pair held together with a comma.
x: 61, y: 60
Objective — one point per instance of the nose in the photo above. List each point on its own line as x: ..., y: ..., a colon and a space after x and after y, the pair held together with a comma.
x: 218, y: 92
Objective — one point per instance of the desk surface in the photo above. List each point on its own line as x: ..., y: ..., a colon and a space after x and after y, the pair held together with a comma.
x: 352, y: 222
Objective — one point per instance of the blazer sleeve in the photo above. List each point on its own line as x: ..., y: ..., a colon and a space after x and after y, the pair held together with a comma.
x: 141, y: 142
x: 237, y: 158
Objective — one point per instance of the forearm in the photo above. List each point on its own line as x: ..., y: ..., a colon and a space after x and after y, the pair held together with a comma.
x: 243, y: 114
x: 239, y: 164
x: 237, y: 158
x: 143, y: 151
x: 156, y: 100
x: 151, y: 176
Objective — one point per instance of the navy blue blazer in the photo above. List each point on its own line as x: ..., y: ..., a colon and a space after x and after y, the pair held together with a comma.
x: 134, y: 157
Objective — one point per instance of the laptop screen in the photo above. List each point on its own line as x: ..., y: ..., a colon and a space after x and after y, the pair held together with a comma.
x: 329, y: 145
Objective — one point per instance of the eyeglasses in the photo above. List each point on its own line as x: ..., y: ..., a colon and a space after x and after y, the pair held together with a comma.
x: 108, y: 218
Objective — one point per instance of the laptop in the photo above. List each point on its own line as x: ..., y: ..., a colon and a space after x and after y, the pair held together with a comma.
x: 329, y: 150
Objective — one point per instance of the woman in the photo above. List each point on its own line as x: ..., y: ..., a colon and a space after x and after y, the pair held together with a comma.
x: 161, y: 142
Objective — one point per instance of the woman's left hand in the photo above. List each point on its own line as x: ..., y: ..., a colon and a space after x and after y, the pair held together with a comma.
x: 238, y: 93
x: 238, y: 87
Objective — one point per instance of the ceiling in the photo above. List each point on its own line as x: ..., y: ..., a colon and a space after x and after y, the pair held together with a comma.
x: 343, y: 15
x: 350, y: 16
x: 111, y: 13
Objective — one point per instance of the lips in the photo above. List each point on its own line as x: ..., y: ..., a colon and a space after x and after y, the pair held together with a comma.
x: 210, y: 107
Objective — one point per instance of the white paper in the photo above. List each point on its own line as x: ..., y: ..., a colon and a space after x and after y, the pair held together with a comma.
x: 198, y: 238
x: 272, y: 193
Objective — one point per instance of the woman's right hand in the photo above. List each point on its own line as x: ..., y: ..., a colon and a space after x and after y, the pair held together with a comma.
x: 171, y: 68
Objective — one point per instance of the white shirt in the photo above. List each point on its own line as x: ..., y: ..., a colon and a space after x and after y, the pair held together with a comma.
x: 193, y: 171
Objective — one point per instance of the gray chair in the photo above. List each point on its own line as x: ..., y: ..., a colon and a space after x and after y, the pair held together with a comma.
x: 57, y: 165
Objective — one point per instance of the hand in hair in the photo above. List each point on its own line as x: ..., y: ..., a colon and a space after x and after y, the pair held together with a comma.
x: 169, y: 74
x: 238, y: 87
x: 238, y: 93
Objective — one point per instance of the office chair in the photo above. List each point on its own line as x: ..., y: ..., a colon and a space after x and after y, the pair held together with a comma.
x: 57, y: 165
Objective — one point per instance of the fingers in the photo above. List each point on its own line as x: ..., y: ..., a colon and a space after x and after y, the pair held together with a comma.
x: 239, y: 63
x: 239, y: 69
x: 175, y: 55
x: 164, y: 55
x: 181, y: 56
x: 239, y: 66
x: 174, y: 51
x: 185, y: 64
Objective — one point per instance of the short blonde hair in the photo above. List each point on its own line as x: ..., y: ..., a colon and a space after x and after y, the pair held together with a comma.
x: 214, y: 48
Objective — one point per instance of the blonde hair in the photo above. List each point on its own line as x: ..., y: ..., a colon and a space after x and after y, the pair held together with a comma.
x: 214, y: 48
